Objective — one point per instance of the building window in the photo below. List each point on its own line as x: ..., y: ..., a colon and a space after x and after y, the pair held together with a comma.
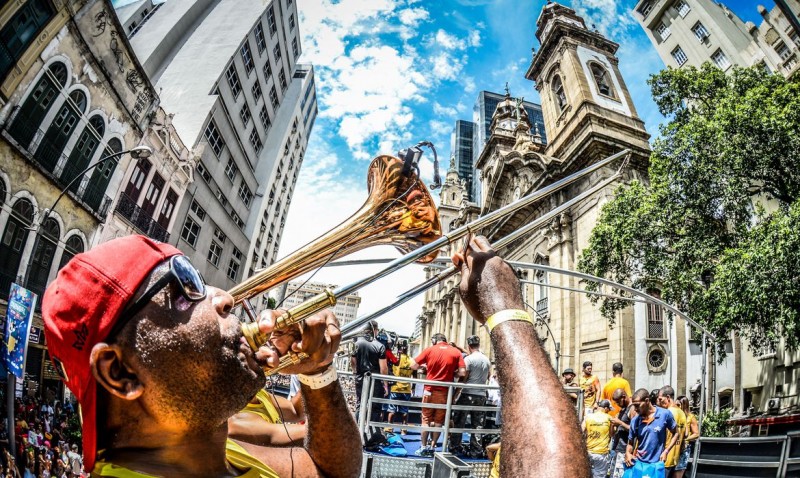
x: 683, y: 8
x: 782, y: 50
x: 261, y: 43
x: 245, y: 195
x: 198, y: 210
x: 282, y: 79
x: 233, y: 268
x: 21, y: 30
x: 790, y: 63
x: 679, y: 56
x: 255, y: 141
x: 655, y: 319
x: 263, y: 115
x: 233, y: 81
x: 190, y: 231
x: 237, y: 220
x: 214, y: 139
x: 247, y: 57
x: 273, y: 97
x: 220, y: 235
x: 700, y: 31
x: 663, y: 31
x: 291, y: 22
x: 214, y: 252
x: 795, y: 38
x: 720, y: 59
x: 267, y: 71
x: 231, y: 170
x: 602, y: 80
x: 645, y: 8
x: 244, y: 114
x: 277, y: 52
x: 271, y: 21
x: 541, y: 292
x: 221, y: 197
x: 203, y: 172
x: 256, y: 91
x: 295, y: 49
x: 558, y: 93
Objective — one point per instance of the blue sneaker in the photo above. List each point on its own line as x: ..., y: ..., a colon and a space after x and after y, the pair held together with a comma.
x: 423, y: 451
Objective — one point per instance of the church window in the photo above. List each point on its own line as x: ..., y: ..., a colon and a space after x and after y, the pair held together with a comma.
x: 679, y: 56
x: 602, y: 80
x: 558, y: 93
x: 782, y: 50
x: 655, y: 319
x: 542, y: 296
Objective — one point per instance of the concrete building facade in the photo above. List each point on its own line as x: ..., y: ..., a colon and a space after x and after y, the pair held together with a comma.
x: 692, y: 32
x: 297, y: 292
x: 73, y: 96
x: 248, y: 112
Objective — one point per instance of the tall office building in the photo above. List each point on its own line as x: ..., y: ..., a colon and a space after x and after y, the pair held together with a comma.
x: 482, y: 113
x: 229, y: 72
x: 692, y: 32
x: 461, y: 143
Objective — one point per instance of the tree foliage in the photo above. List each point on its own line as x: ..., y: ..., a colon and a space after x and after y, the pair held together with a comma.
x: 716, y: 228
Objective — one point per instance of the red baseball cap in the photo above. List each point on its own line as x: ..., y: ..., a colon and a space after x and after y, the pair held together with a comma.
x: 80, y: 308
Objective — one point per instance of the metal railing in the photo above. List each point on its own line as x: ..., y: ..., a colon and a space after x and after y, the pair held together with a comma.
x: 777, y: 456
x: 140, y: 219
x: 367, y: 400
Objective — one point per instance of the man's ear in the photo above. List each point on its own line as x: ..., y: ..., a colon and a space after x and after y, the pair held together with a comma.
x: 113, y: 373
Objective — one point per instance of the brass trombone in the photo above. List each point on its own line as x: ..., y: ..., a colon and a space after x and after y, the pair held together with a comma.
x: 411, y: 224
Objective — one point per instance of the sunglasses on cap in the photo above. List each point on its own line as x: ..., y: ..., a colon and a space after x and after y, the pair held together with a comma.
x: 191, y: 286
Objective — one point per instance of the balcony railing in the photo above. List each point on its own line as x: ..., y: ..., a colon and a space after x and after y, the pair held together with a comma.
x: 541, y: 306
x: 140, y: 219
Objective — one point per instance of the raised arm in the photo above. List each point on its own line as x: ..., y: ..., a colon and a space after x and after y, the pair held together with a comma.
x: 489, y: 285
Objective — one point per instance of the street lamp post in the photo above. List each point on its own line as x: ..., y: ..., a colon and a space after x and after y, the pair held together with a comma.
x: 11, y: 385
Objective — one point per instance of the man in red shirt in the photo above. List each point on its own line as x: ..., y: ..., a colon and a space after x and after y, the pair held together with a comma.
x: 444, y: 364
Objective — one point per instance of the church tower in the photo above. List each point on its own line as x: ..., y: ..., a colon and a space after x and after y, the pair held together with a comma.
x: 588, y: 112
x: 451, y: 196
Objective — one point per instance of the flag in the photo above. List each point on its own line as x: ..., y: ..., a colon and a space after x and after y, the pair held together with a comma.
x: 21, y: 303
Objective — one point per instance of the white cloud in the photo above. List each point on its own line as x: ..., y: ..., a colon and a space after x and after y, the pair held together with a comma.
x: 442, y: 128
x: 447, y: 67
x: 612, y: 18
x: 441, y: 110
x: 412, y: 16
x: 474, y: 38
x: 448, y: 41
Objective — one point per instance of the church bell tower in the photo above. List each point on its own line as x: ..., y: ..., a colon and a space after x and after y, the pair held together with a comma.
x: 588, y: 111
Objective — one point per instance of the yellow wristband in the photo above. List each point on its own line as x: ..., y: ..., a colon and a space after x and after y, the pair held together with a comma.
x: 505, y: 315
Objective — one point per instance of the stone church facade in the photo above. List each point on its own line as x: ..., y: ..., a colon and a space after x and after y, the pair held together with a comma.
x: 588, y: 116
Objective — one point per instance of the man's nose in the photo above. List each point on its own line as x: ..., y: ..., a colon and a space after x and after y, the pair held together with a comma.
x: 221, y: 300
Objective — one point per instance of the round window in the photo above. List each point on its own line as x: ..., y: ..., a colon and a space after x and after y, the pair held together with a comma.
x: 656, y: 359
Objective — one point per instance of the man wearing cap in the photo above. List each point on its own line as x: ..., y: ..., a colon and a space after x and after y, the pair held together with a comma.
x: 477, y: 366
x: 158, y: 364
x: 597, y: 428
x: 568, y: 377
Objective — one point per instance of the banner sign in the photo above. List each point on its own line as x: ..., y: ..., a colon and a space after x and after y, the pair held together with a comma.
x: 21, y: 303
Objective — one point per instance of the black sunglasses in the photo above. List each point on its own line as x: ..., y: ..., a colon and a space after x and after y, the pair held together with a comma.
x: 192, y: 288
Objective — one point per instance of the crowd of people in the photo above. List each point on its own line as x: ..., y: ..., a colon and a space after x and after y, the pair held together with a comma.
x: 651, y: 431
x: 47, y: 437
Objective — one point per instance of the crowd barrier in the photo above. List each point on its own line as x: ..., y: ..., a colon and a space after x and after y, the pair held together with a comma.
x: 752, y: 457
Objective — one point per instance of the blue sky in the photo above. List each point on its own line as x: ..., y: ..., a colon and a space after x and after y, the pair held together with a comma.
x: 392, y: 72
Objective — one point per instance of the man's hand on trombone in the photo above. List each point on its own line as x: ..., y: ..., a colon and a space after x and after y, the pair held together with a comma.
x: 318, y: 336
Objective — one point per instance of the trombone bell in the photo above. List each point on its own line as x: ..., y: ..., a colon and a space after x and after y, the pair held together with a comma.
x: 399, y: 212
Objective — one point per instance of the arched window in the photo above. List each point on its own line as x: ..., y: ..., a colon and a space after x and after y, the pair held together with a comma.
x: 52, y: 145
x: 101, y: 175
x: 558, y: 93
x: 38, y: 103
x: 43, y: 256
x: 602, y: 80
x: 73, y: 246
x: 83, y: 151
x: 13, y: 243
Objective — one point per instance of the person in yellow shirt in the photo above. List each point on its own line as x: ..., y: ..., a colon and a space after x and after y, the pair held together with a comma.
x: 675, y: 442
x: 493, y: 453
x: 158, y: 363
x: 401, y: 390
x: 597, y: 428
x: 692, y: 434
x: 617, y: 381
x: 591, y: 387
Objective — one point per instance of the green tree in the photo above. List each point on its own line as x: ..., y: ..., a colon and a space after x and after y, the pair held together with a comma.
x: 715, y: 230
